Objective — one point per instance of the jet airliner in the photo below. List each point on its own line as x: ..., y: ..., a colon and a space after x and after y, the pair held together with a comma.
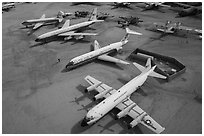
x: 121, y: 99
x: 69, y: 32
x: 36, y: 23
x: 101, y: 53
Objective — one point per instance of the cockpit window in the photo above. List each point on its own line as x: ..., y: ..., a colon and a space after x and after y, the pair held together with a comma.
x: 89, y: 118
x: 70, y: 64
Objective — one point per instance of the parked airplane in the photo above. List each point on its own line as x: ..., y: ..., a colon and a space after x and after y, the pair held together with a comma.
x: 121, y: 5
x: 69, y: 32
x: 175, y: 28
x: 101, y: 53
x: 126, y: 21
x: 36, y: 23
x: 121, y: 99
x: 154, y: 6
x: 8, y: 6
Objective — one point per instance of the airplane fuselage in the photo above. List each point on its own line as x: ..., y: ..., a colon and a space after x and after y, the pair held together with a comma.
x: 94, y: 54
x: 113, y: 100
x: 45, y: 20
x: 64, y: 30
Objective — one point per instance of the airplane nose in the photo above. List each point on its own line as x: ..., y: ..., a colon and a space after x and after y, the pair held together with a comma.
x: 84, y: 123
x: 37, y: 39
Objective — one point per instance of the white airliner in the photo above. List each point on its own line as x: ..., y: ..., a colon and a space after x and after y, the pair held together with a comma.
x: 101, y: 53
x: 121, y: 99
x: 69, y: 32
x: 36, y: 23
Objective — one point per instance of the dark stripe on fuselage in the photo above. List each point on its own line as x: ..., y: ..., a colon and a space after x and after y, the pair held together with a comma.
x: 87, y: 60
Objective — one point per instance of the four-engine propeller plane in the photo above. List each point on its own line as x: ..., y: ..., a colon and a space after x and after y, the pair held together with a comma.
x: 121, y: 99
x: 101, y: 53
x: 69, y: 31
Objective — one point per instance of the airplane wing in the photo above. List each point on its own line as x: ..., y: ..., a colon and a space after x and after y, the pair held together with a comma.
x: 136, y: 113
x: 66, y: 24
x: 37, y: 25
x: 99, y: 86
x: 72, y: 33
x: 112, y: 59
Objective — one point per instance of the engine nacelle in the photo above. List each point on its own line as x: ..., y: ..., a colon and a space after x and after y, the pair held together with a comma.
x: 101, y: 95
x: 136, y: 121
x: 125, y: 111
x: 92, y: 87
x: 79, y: 37
x: 67, y: 38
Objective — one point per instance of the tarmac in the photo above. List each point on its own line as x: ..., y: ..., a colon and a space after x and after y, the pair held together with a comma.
x: 37, y: 98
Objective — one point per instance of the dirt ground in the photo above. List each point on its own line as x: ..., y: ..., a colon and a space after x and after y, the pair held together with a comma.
x: 38, y: 98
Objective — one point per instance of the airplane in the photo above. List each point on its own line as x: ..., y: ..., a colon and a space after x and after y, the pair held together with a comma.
x: 36, y: 23
x: 101, y: 53
x: 121, y: 5
x: 174, y: 28
x: 69, y: 32
x: 129, y: 21
x: 8, y: 6
x: 104, y: 16
x: 154, y: 6
x: 86, y: 3
x: 121, y: 99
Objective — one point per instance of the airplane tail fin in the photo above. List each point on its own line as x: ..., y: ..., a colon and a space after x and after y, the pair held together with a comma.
x: 60, y: 15
x: 93, y: 15
x: 128, y: 31
x: 148, y: 68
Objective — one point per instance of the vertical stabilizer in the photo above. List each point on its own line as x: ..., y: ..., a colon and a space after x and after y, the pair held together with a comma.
x: 93, y: 15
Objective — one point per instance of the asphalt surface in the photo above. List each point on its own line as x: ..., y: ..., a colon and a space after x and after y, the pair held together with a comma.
x: 38, y: 98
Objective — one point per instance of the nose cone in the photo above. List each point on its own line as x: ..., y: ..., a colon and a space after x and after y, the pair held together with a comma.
x: 37, y: 39
x: 84, y: 123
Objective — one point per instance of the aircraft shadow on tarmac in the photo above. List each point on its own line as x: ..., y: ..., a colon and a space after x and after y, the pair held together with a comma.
x: 77, y: 129
x: 109, y: 64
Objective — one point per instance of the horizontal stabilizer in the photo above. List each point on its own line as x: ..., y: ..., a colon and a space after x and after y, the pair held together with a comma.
x: 112, y: 59
x: 132, y: 32
x: 157, y: 75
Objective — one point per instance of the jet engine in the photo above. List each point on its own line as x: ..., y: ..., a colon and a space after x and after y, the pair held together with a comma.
x: 136, y: 121
x: 125, y: 111
x: 101, y: 95
x: 92, y: 87
x: 79, y: 37
x: 67, y: 38
x: 119, y: 50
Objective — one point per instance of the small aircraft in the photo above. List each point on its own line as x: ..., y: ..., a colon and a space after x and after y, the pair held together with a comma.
x: 121, y: 5
x: 80, y: 14
x: 129, y: 21
x: 37, y: 23
x: 104, y: 16
x: 71, y: 31
x: 121, y: 99
x: 101, y: 53
x: 8, y: 6
x: 154, y: 6
x: 174, y: 28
